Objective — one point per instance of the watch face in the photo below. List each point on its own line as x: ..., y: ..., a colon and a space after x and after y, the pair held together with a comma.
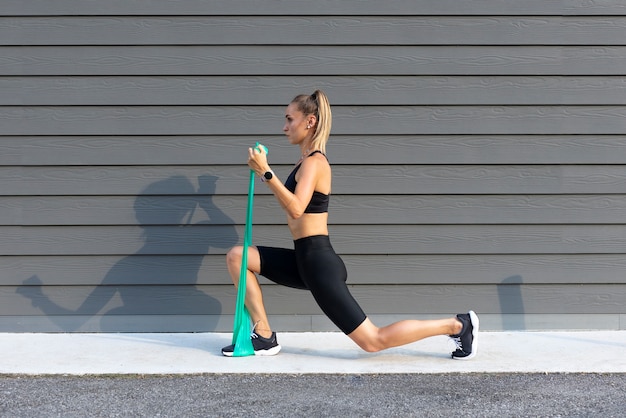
x: 268, y: 175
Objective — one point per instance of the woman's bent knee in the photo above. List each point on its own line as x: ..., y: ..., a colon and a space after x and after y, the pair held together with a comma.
x: 370, y: 347
x: 233, y: 262
x: 234, y: 258
x: 367, y: 337
x: 234, y: 255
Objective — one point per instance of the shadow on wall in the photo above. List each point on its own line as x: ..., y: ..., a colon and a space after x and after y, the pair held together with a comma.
x: 158, y: 285
x: 512, y: 303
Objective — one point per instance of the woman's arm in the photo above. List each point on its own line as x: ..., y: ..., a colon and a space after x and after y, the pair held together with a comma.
x: 308, y: 175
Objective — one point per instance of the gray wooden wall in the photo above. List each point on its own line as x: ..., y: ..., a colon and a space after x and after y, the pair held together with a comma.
x: 478, y: 152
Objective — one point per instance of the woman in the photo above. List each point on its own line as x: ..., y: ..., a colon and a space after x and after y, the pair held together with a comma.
x: 313, y: 264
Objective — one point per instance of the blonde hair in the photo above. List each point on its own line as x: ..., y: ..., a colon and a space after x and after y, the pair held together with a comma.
x: 317, y: 104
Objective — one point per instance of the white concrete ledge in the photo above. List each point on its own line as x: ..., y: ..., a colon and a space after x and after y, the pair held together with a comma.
x: 196, y: 353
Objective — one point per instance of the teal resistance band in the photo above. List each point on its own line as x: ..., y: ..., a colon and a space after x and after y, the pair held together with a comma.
x: 241, y: 327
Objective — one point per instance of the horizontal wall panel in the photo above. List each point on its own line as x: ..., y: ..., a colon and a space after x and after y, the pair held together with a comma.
x: 400, y: 299
x: 111, y: 240
x: 373, y: 269
x: 488, y: 299
x: 354, y: 120
x: 362, y: 239
x: 132, y: 269
x: 501, y: 269
x: 315, y: 30
x: 481, y: 209
x: 344, y: 209
x: 128, y: 323
x: 89, y: 300
x: 342, y: 90
x: 372, y: 179
x: 132, y: 210
x: 303, y: 7
x: 306, y: 60
x: 124, y: 180
x: 480, y: 179
x: 372, y: 149
x: 140, y: 150
x: 476, y: 149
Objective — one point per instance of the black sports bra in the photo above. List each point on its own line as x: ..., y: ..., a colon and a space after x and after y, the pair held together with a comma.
x: 319, y: 201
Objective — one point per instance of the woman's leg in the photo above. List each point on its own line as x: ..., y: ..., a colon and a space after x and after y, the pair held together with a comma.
x: 325, y: 275
x: 254, y: 296
x: 371, y: 338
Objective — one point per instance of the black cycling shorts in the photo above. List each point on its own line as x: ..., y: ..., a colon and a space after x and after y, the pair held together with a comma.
x: 313, y: 265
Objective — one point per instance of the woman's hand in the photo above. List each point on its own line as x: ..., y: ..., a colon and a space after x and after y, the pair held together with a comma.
x: 257, y: 160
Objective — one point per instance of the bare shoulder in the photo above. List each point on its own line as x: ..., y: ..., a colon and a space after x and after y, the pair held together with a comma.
x: 316, y: 171
x: 317, y: 161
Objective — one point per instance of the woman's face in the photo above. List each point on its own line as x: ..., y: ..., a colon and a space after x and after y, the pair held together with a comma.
x: 296, y: 123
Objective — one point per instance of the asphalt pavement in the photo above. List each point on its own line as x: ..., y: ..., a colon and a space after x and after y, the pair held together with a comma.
x: 316, y: 395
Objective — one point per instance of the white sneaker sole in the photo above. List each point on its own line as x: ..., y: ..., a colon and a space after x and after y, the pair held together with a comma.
x: 263, y: 353
x: 271, y: 352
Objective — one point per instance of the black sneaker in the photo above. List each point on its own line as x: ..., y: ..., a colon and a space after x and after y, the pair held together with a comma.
x: 262, y: 346
x: 466, y: 340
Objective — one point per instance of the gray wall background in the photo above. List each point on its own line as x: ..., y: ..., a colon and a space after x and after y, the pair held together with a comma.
x: 478, y: 152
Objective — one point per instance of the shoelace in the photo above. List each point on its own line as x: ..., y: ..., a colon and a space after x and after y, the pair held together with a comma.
x: 457, y: 342
x: 253, y: 334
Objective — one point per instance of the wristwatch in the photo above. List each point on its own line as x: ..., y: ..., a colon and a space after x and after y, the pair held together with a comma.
x: 267, y: 176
